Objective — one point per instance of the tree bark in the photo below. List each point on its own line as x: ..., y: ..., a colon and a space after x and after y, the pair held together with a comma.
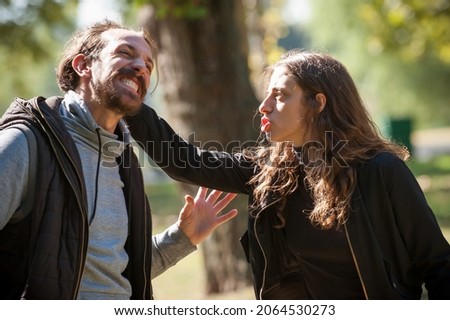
x: 204, y: 76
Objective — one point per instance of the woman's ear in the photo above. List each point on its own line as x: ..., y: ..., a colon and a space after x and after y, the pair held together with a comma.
x: 321, y: 101
x: 81, y: 65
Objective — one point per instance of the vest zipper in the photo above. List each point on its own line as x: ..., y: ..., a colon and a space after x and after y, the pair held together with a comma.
x: 145, y: 232
x: 356, y: 262
x: 145, y: 255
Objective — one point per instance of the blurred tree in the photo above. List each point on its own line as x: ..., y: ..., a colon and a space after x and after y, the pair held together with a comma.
x: 31, y: 31
x: 411, y: 29
x: 205, y: 77
x: 399, y: 51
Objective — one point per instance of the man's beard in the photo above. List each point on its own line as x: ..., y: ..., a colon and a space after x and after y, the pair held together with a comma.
x: 108, y: 96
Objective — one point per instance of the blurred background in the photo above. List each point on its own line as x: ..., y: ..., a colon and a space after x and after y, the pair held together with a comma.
x: 211, y: 56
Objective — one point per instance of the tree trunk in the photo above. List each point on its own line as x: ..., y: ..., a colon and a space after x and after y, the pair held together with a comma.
x: 205, y: 81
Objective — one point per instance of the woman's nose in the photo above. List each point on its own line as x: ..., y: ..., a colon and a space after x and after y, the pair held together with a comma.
x: 265, y: 106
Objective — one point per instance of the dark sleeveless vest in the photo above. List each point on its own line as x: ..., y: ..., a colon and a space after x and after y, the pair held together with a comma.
x: 42, y: 256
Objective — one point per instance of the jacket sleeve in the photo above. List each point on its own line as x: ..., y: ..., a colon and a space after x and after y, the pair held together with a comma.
x: 14, y: 171
x: 185, y: 162
x: 422, y: 237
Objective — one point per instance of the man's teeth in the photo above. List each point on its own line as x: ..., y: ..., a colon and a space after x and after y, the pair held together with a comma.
x: 131, y: 84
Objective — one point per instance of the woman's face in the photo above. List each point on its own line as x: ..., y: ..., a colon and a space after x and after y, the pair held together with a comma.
x: 283, y: 109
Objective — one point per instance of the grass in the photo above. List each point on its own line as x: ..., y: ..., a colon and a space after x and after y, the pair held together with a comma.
x: 186, y: 280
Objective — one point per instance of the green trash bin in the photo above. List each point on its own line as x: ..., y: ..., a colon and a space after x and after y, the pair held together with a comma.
x: 399, y: 130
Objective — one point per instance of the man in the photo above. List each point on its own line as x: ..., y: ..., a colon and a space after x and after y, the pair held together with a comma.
x: 74, y: 219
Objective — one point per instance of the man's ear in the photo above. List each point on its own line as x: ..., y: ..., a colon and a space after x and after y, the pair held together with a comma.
x: 321, y: 101
x: 81, y: 65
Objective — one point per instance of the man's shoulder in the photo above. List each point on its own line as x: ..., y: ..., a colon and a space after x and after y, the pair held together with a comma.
x: 19, y: 104
x: 52, y: 102
x: 15, y: 136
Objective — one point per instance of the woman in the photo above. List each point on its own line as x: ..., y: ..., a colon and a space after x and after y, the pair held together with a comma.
x: 334, y: 212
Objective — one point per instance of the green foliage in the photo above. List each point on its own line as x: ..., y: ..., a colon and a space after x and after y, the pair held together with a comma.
x: 24, y: 77
x: 32, y: 26
x: 395, y: 49
x: 31, y: 33
x: 178, y: 9
x: 411, y: 29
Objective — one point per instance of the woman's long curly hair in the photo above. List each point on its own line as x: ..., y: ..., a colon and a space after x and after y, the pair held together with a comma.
x: 344, y: 122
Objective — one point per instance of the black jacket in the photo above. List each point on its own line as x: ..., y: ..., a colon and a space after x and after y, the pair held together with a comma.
x: 395, y: 241
x: 43, y: 255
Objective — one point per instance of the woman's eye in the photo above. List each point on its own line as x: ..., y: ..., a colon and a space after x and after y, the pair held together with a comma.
x: 278, y: 93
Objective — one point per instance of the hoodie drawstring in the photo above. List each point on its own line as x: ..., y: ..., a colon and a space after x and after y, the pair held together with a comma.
x: 97, y: 130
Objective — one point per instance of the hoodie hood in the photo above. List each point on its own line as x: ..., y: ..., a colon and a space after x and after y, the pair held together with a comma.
x: 83, y: 127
